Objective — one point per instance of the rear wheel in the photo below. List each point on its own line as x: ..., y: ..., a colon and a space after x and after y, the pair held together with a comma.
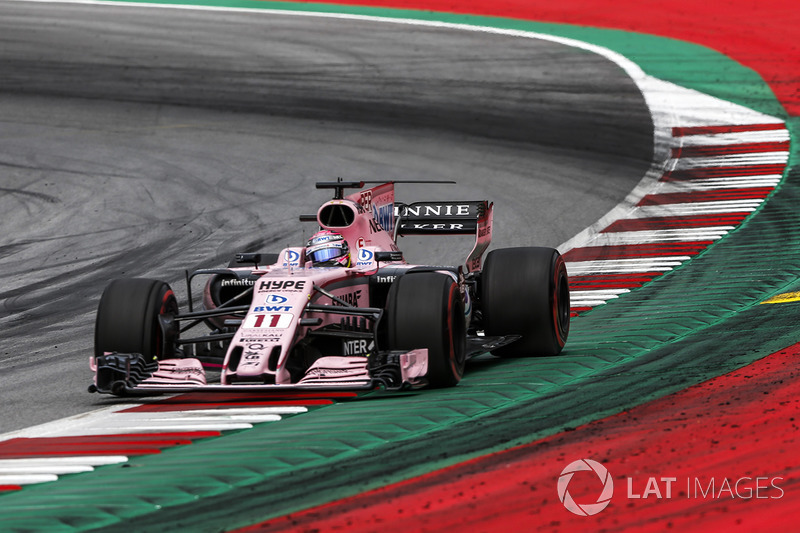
x: 525, y: 291
x: 129, y: 318
x: 425, y: 310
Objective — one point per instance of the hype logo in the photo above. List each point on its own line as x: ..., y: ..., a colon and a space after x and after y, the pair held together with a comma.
x: 587, y: 509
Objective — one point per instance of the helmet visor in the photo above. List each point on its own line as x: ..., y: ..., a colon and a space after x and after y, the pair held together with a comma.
x: 325, y: 254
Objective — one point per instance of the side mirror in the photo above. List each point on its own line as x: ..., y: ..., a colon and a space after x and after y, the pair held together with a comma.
x: 248, y: 258
x: 388, y: 256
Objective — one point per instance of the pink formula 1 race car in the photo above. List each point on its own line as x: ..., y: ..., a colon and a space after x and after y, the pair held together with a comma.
x: 343, y: 311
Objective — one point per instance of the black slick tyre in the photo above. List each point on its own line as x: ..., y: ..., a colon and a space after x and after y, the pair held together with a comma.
x: 426, y: 310
x: 525, y: 291
x: 128, y: 318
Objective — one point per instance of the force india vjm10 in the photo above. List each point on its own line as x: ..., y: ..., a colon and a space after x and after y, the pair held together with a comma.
x: 344, y: 311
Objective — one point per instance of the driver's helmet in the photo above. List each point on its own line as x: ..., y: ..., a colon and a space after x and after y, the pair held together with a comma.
x: 328, y: 249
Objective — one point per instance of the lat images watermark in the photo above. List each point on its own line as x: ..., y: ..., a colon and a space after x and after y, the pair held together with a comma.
x: 663, y: 487
x: 587, y: 509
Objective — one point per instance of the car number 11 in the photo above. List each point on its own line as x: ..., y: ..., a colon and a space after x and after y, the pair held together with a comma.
x: 269, y: 321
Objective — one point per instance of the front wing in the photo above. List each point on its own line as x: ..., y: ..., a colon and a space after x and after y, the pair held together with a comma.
x: 132, y: 374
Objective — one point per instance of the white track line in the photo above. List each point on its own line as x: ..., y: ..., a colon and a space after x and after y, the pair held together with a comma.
x: 755, y: 158
x: 662, y: 236
x: 26, y: 479
x: 744, y: 137
x: 717, y: 184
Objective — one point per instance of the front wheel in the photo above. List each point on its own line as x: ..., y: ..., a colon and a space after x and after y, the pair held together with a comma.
x: 525, y: 291
x: 426, y: 310
x: 132, y: 318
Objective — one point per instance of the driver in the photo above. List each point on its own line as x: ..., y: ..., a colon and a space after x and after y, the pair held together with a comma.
x: 328, y: 249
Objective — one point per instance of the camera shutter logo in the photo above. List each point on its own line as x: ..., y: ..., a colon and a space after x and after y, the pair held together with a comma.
x: 587, y: 509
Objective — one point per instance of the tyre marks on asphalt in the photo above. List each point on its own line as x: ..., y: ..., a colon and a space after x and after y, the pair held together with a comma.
x: 716, y: 176
x: 113, y: 435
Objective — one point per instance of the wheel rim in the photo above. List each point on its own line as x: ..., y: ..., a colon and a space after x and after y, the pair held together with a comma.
x: 169, y: 304
x: 561, y: 305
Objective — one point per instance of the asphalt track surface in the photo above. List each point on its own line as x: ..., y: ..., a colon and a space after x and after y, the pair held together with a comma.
x: 140, y: 142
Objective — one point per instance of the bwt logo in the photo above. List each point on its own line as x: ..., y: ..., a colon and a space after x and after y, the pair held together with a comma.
x: 273, y: 303
x: 587, y: 509
x: 292, y: 257
x: 365, y: 256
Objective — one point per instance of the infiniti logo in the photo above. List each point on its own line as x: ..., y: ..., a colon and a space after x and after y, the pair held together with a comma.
x: 588, y: 509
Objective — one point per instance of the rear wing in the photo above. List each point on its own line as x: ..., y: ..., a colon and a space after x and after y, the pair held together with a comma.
x: 449, y: 218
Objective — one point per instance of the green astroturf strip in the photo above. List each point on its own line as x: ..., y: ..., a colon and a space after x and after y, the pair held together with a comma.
x: 697, y: 322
